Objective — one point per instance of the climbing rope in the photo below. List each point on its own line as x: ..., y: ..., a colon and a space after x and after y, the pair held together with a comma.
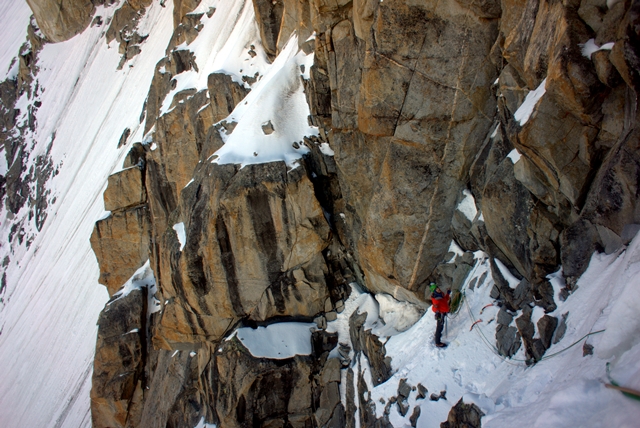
x: 628, y: 392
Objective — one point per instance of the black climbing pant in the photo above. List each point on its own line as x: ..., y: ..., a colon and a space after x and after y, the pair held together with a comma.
x: 439, y: 326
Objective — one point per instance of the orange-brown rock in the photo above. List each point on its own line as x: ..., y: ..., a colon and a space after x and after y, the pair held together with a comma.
x: 121, y: 244
x: 178, y: 140
x: 253, y: 247
x: 116, y: 392
x: 60, y: 20
x: 125, y: 190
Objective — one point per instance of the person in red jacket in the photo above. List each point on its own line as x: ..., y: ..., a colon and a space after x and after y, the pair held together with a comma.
x: 440, y: 305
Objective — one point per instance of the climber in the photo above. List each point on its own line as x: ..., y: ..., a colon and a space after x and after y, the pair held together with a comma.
x: 440, y: 305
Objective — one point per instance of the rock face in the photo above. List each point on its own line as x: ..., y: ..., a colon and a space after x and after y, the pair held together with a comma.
x: 254, y: 251
x: 423, y: 105
x: 60, y: 20
x: 118, y: 370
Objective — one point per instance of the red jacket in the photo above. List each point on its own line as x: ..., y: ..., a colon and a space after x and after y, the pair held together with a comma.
x: 440, y: 302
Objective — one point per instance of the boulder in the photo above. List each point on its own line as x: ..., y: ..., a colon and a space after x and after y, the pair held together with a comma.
x: 546, y: 327
x: 225, y: 94
x: 463, y: 416
x: 121, y: 243
x: 60, y: 20
x: 125, y: 189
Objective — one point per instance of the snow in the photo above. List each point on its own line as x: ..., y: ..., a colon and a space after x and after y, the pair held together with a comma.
x: 222, y: 46
x: 396, y: 315
x: 14, y: 20
x: 590, y: 47
x: 514, y: 155
x: 277, y: 341
x: 279, y: 98
x: 468, y: 205
x: 142, y: 278
x: 507, y: 275
x: 524, y: 111
x: 455, y: 249
x: 202, y: 424
x: 52, y: 300
x: 565, y: 389
x: 326, y: 150
x: 182, y: 236
x: 623, y: 324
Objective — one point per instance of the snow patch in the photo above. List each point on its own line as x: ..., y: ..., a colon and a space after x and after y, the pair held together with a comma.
x: 524, y: 111
x: 222, y: 46
x: 468, y: 205
x: 181, y: 234
x: 623, y: 324
x: 514, y: 155
x: 278, y: 97
x: 455, y: 249
x: 277, y: 341
x: 202, y: 424
x: 397, y: 315
x: 506, y: 274
x: 326, y: 150
x: 590, y: 47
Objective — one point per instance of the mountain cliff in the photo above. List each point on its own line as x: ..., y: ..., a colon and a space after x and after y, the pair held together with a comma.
x: 284, y: 179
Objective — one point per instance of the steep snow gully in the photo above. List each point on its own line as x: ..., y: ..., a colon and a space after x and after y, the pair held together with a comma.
x: 52, y: 298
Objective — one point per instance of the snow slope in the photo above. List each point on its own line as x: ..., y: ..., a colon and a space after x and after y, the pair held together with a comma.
x: 14, y: 18
x: 53, y: 298
x: 565, y: 389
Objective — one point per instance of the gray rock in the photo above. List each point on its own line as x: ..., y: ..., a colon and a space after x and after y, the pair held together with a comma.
x: 463, y: 416
x: 507, y: 340
x: 543, y: 295
x: 561, y: 330
x: 404, y: 389
x: 413, y: 419
x: 269, y: 18
x: 403, y: 407
x: 331, y: 371
x: 546, y: 327
x: 611, y: 241
x: 321, y: 322
x: 422, y: 391
x: 629, y: 232
x: 364, y: 341
x: 504, y: 317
